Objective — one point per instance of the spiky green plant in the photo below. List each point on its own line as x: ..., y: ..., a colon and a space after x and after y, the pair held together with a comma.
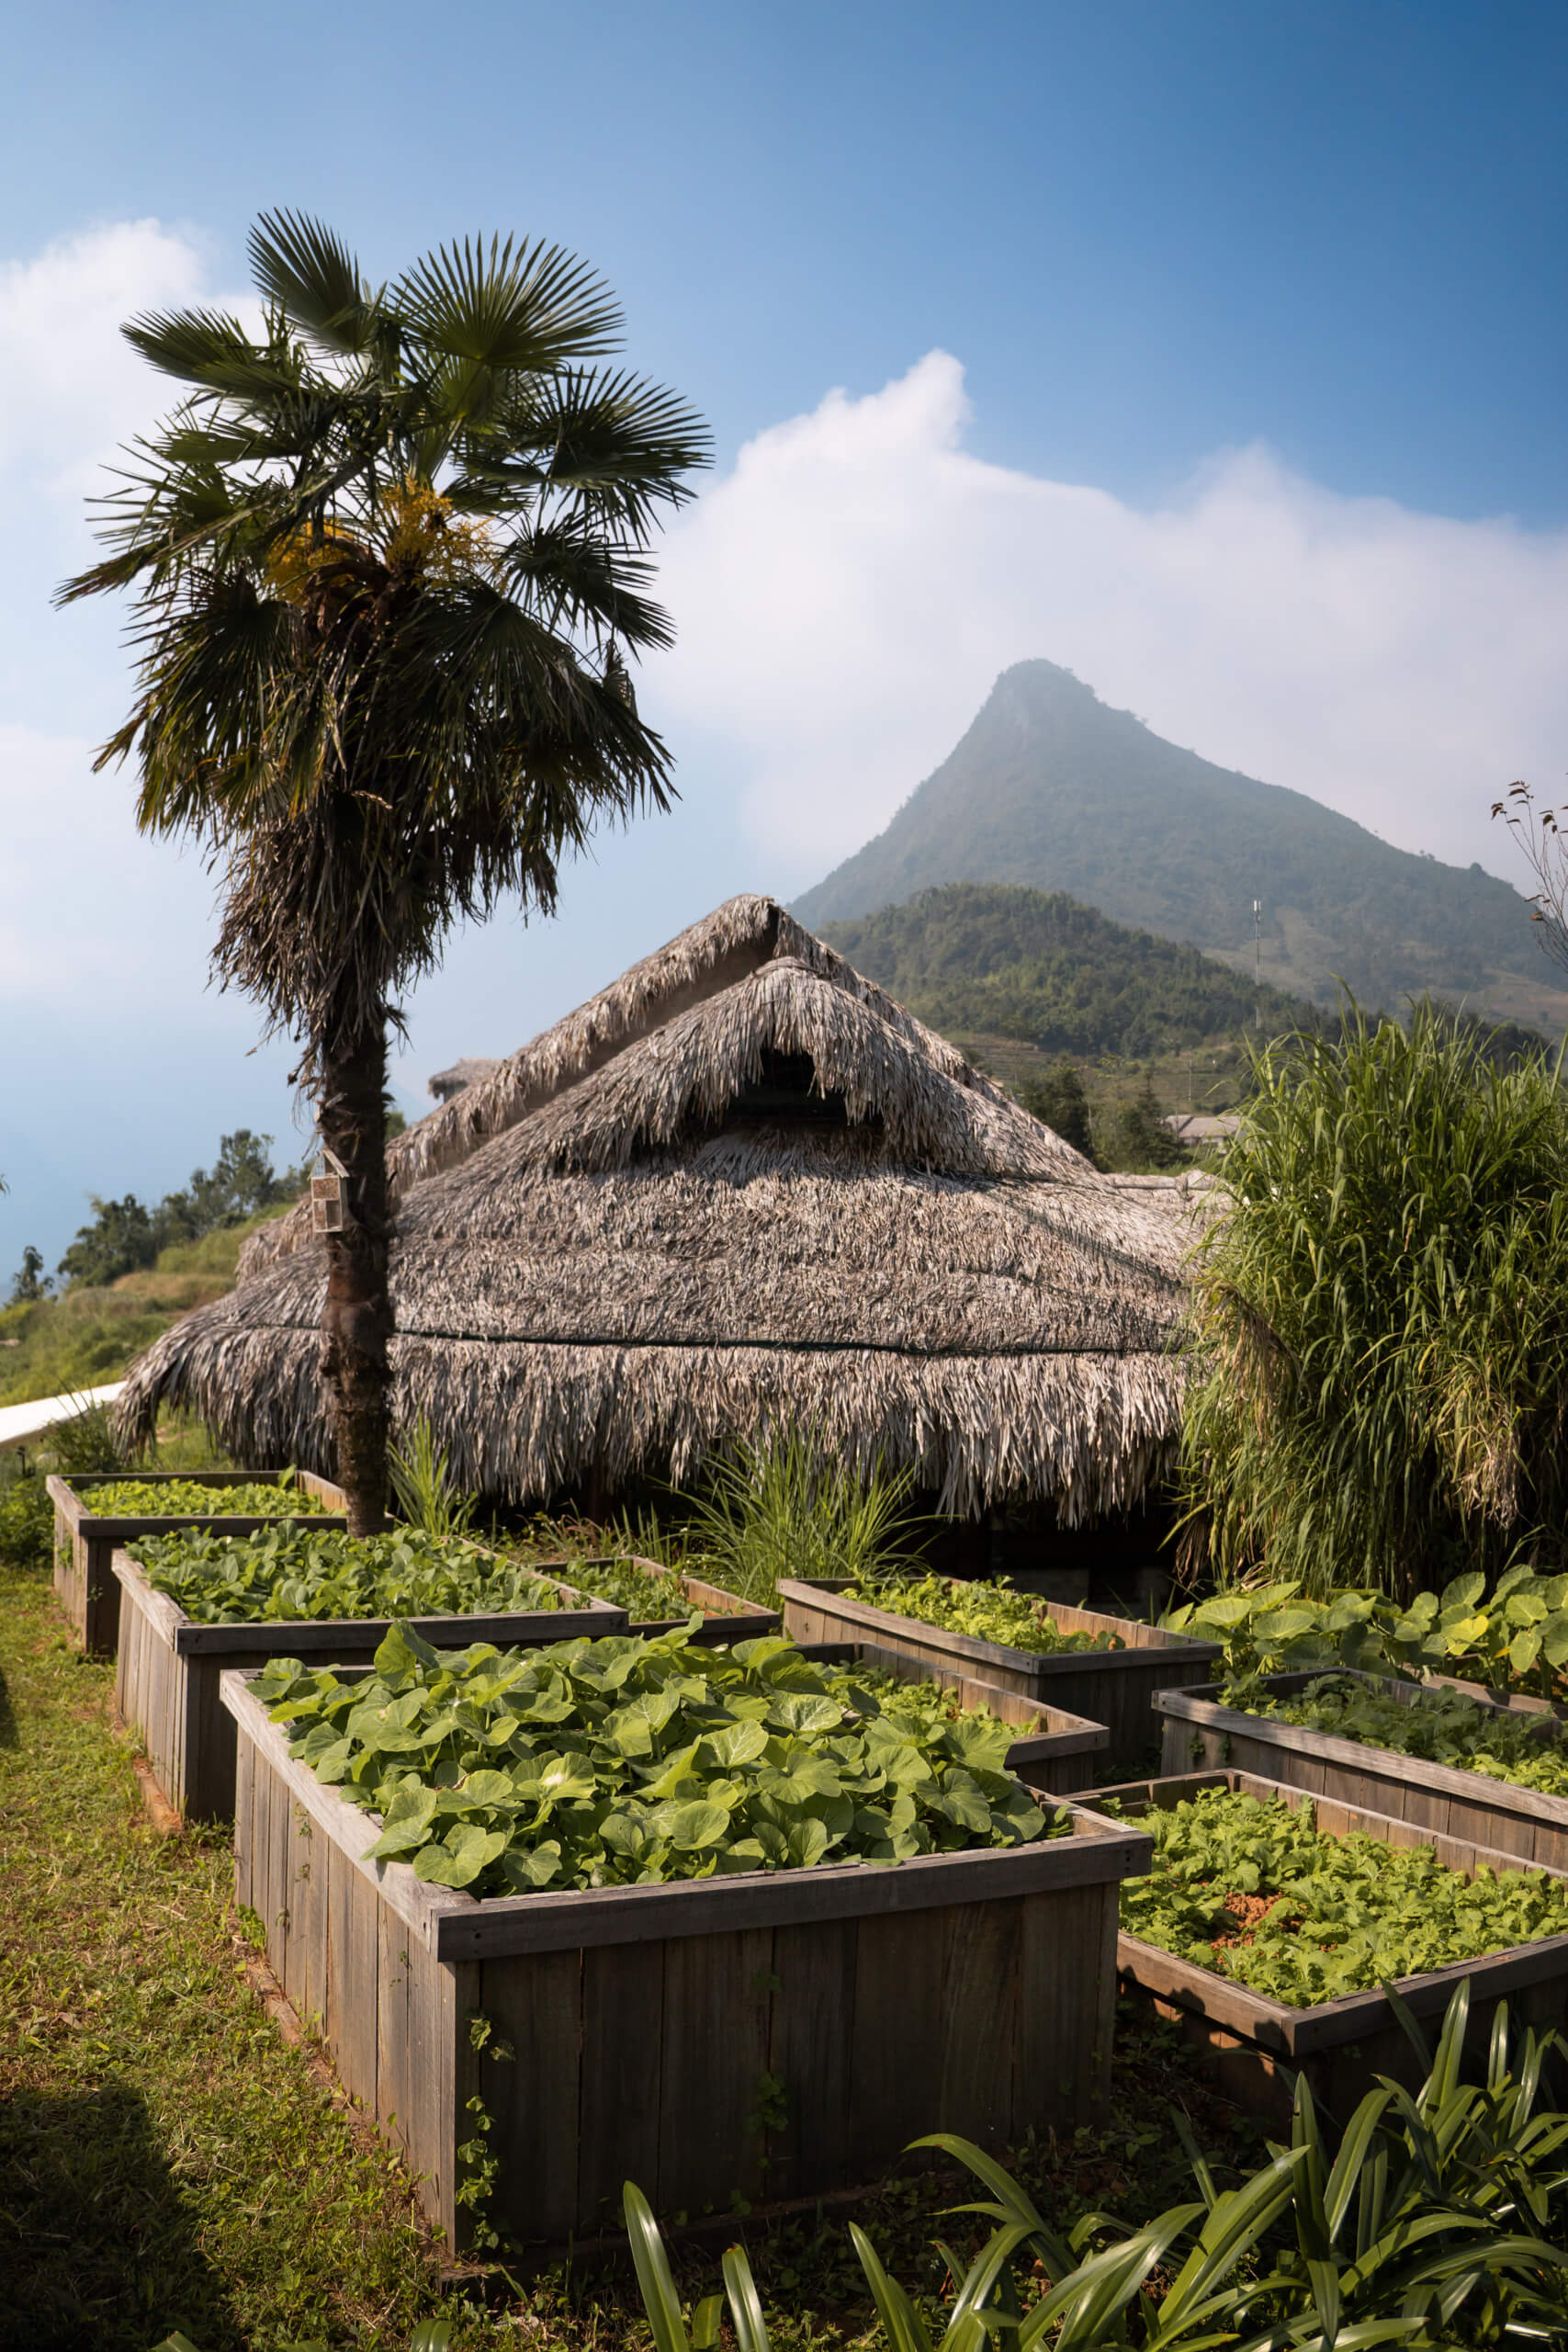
x: 428, y: 1495
x: 785, y: 1507
x: 1382, y: 1314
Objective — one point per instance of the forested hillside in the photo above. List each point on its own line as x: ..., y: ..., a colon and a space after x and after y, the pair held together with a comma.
x: 978, y: 959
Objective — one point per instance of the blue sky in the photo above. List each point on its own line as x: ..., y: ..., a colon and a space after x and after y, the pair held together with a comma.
x: 1216, y: 350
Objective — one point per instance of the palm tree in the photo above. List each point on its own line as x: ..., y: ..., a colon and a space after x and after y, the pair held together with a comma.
x: 386, y: 558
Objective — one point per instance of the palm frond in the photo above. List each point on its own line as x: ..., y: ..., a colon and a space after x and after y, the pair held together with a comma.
x: 314, y: 280
x: 207, y: 348
x: 516, y: 308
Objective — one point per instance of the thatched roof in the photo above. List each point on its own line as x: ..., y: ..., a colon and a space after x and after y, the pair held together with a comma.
x: 469, y: 1072
x: 742, y: 1186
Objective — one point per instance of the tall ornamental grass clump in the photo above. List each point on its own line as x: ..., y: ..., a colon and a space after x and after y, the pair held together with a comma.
x: 785, y: 1507
x: 1382, y: 1316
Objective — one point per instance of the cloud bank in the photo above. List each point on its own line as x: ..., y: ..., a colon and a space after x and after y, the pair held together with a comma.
x: 846, y: 596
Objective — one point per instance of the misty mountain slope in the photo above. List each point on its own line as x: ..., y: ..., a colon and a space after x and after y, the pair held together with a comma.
x: 1053, y: 789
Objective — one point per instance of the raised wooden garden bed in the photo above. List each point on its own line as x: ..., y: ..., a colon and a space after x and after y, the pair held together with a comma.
x: 169, y: 1669
x: 1114, y: 1687
x: 1254, y: 2046
x: 1054, y: 1752
x: 1202, y: 1733
x: 84, y: 1544
x: 782, y: 2035
x: 728, y: 1617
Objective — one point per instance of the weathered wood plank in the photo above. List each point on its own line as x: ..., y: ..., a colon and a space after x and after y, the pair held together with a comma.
x: 623, y: 2059
x: 811, y: 2040
x: 394, y: 2094
x: 353, y: 2003
x: 890, y: 2101
x: 977, y: 2055
x: 717, y: 1999
x: 537, y: 2006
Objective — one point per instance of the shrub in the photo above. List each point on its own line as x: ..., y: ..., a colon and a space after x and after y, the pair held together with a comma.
x: 27, y: 1522
x: 1382, y: 1317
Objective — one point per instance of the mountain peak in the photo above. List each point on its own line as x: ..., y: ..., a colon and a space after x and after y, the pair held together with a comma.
x: 1054, y: 789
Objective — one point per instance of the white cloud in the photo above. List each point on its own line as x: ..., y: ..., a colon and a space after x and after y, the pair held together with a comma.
x: 846, y: 596
x: 92, y: 909
x: 72, y: 386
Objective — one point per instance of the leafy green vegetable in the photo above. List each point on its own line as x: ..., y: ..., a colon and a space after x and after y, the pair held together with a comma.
x: 1441, y: 1727
x: 188, y: 1498
x: 988, y: 1612
x: 1514, y: 1638
x: 631, y: 1762
x: 644, y: 1597
x: 287, y: 1572
x: 1252, y: 1890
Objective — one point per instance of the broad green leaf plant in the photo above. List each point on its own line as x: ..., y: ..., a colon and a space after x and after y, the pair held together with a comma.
x: 1512, y: 1637
x: 631, y: 1762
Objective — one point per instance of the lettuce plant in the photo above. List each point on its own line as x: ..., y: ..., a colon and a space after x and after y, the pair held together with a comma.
x: 1253, y: 1889
x: 1442, y: 1727
x: 188, y: 1498
x: 987, y: 1612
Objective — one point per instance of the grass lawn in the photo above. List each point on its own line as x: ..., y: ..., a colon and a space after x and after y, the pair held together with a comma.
x: 168, y: 2161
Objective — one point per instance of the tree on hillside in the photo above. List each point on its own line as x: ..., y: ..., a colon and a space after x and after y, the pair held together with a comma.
x: 30, y: 1283
x: 388, y: 558
x: 125, y: 1235
x: 1143, y: 1138
x: 1060, y: 1100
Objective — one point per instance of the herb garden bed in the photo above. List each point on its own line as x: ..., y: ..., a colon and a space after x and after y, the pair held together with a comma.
x: 1113, y: 1687
x: 1254, y: 2044
x: 1201, y: 1731
x: 779, y: 2033
x: 1054, y: 1752
x: 170, y: 1666
x: 86, y: 1540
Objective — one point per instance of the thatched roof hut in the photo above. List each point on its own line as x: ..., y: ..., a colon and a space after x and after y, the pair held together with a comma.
x: 742, y: 1186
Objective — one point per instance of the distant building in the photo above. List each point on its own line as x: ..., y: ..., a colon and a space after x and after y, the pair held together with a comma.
x: 1189, y: 1128
x: 468, y: 1072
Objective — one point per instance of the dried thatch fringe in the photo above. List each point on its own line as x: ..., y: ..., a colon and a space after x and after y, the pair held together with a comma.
x: 1007, y: 1338
x: 523, y: 1420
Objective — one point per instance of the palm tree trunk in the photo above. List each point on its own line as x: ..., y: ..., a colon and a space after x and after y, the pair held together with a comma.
x: 356, y: 1325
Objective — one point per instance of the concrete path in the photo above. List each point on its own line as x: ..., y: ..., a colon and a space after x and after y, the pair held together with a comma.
x: 17, y: 1421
